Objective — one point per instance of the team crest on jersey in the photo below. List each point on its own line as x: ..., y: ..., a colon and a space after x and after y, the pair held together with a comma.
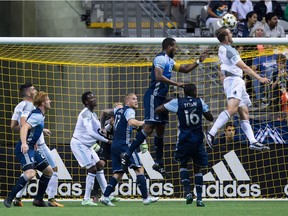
x: 235, y: 92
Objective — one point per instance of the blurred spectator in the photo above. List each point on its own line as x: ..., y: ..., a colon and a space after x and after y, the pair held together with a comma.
x: 266, y: 6
x: 240, y: 8
x: 264, y: 66
x: 272, y: 27
x: 216, y: 10
x: 229, y: 140
x: 258, y: 31
x: 279, y: 85
x: 243, y: 29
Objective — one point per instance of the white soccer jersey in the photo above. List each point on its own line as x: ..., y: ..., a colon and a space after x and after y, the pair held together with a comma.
x: 23, y: 109
x: 229, y: 57
x: 88, y: 127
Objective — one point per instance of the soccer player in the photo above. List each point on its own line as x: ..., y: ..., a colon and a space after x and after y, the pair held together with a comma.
x: 86, y: 134
x: 104, y: 150
x: 189, y: 144
x: 25, y: 152
x: 238, y: 100
x: 21, y: 112
x: 123, y: 125
x: 155, y: 95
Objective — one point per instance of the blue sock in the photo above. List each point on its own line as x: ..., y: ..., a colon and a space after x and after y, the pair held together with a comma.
x: 20, y: 184
x: 198, y: 185
x: 42, y: 186
x: 141, y: 183
x: 158, y: 145
x: 185, y: 181
x: 139, y: 139
x: 110, y: 186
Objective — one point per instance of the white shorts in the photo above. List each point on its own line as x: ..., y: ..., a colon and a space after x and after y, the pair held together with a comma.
x: 234, y: 87
x: 85, y: 155
x: 46, y: 153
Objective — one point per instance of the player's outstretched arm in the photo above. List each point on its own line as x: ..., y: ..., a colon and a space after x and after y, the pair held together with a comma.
x: 190, y: 67
x: 252, y: 73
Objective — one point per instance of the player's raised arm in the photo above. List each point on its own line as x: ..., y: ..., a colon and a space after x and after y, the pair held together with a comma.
x: 189, y: 67
x: 250, y: 72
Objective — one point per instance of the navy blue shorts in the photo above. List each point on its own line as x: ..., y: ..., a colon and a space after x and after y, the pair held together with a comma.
x: 191, y: 148
x: 151, y: 102
x: 116, y: 159
x: 31, y: 160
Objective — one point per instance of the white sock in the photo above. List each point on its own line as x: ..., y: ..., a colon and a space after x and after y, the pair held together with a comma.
x: 247, y: 129
x: 101, y: 180
x: 52, y: 187
x: 89, y: 185
x: 220, y: 122
x: 20, y: 193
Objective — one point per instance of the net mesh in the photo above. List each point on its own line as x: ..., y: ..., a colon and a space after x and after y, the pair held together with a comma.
x: 112, y: 71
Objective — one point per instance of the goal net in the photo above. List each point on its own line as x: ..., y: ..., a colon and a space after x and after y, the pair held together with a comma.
x: 113, y: 67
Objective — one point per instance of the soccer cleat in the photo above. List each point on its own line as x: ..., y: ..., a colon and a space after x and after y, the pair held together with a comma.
x: 209, y: 139
x: 106, y: 201
x: 160, y: 168
x: 39, y: 203
x: 88, y: 203
x: 7, y: 202
x: 200, y: 203
x: 259, y: 146
x: 124, y: 161
x: 189, y: 199
x: 53, y: 203
x: 114, y: 199
x: 18, y: 202
x: 150, y: 200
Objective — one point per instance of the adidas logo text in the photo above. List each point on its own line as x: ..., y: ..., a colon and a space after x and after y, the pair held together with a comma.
x: 223, y: 187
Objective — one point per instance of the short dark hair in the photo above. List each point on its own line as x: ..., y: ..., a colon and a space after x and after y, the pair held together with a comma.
x: 221, y: 33
x: 167, y: 42
x: 23, y: 89
x: 84, y: 97
x: 269, y: 16
x: 190, y: 90
x: 229, y: 124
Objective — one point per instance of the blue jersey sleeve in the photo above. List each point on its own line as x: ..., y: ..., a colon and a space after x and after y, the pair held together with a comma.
x: 204, y: 106
x: 172, y: 106
x: 160, y: 61
x: 34, y: 119
x: 129, y: 114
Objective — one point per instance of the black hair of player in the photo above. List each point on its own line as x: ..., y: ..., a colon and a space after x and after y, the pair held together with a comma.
x: 167, y: 42
x: 23, y: 88
x: 190, y: 90
x: 84, y: 97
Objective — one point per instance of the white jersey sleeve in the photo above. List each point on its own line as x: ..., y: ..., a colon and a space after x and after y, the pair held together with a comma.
x: 129, y: 114
x: 172, y: 106
x: 204, y: 106
x: 23, y: 109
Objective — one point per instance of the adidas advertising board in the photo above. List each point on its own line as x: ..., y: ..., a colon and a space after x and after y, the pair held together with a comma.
x: 233, y: 188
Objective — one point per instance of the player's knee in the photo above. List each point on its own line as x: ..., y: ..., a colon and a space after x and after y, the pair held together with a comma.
x: 100, y: 165
x: 48, y: 171
x: 92, y: 169
x: 148, y: 129
x: 55, y: 169
x: 31, y: 173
